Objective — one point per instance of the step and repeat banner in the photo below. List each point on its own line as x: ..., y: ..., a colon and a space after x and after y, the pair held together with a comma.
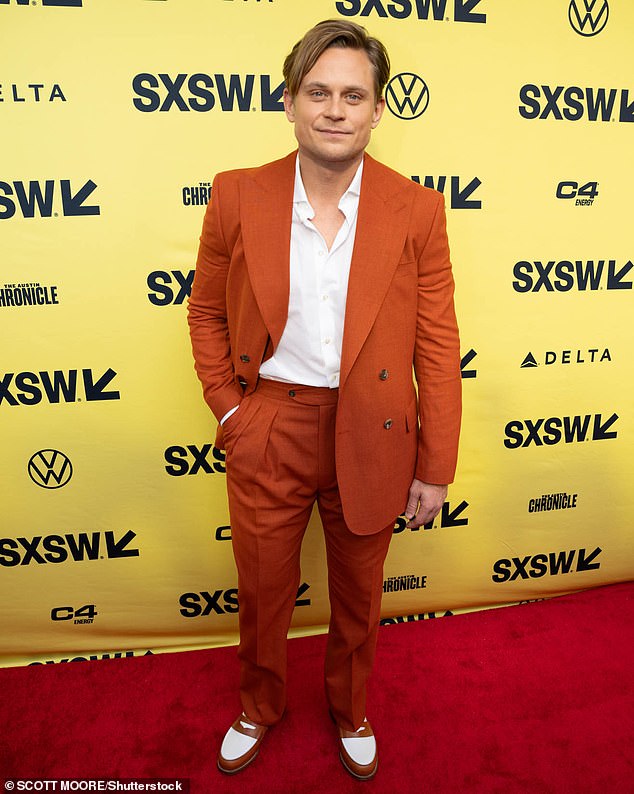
x: 115, y: 116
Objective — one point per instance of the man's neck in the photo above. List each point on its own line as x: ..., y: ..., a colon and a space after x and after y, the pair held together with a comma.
x: 326, y: 183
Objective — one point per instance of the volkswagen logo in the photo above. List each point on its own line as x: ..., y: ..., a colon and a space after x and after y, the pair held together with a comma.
x: 588, y: 17
x: 407, y: 95
x: 50, y: 468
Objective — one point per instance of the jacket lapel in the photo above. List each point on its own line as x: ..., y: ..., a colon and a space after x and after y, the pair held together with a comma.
x: 382, y: 225
x: 266, y: 207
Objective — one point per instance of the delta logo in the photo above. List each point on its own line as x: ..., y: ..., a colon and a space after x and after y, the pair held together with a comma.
x: 202, y: 92
x: 591, y: 355
x: 440, y: 10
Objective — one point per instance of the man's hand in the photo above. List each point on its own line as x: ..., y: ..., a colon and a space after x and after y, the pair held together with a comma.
x: 424, y: 502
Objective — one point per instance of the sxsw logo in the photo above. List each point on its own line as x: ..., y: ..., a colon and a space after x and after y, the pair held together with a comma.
x: 94, y: 657
x: 31, y: 388
x: 574, y: 103
x: 192, y: 460
x: 449, y: 517
x: 569, y: 429
x: 45, y: 3
x: 202, y: 92
x: 59, y: 548
x: 220, y: 602
x: 463, y: 10
x: 566, y: 275
x: 588, y: 17
x: 36, y: 198
x: 551, y: 564
x: 460, y: 194
x: 407, y: 96
x: 169, y: 288
x: 592, y: 355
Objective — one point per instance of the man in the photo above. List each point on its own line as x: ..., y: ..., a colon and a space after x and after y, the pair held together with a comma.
x: 321, y: 279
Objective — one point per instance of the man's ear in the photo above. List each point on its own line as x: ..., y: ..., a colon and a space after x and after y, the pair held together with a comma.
x: 289, y: 107
x: 378, y: 112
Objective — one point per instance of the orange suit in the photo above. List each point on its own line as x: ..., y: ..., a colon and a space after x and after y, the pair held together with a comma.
x: 399, y: 315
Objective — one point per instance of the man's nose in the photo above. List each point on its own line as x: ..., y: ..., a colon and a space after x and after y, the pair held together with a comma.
x: 335, y: 109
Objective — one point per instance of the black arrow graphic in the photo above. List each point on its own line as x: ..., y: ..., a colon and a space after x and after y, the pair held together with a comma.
x: 615, y: 280
x: 271, y: 100
x: 585, y: 563
x: 118, y: 548
x: 95, y: 391
x: 302, y: 602
x: 467, y: 359
x: 459, y: 198
x: 73, y: 205
x: 627, y: 107
x: 600, y: 431
x: 449, y: 518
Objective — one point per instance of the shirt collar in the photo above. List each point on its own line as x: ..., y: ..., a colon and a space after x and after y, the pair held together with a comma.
x: 348, y: 203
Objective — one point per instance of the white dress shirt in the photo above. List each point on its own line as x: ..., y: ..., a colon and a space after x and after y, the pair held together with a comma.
x: 309, y: 351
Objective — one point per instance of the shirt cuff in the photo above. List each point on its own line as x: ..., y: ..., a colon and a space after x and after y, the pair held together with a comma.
x: 228, y: 414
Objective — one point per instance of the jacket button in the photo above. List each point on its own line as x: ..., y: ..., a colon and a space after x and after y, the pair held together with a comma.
x: 387, y: 424
x: 383, y: 374
x: 291, y: 393
x: 245, y: 359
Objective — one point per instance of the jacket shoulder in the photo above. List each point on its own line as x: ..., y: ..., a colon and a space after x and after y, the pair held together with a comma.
x: 395, y: 182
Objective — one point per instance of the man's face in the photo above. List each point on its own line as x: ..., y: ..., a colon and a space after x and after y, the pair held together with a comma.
x: 335, y: 108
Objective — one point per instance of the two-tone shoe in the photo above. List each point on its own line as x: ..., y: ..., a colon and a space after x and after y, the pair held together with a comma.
x: 357, y: 750
x: 240, y: 745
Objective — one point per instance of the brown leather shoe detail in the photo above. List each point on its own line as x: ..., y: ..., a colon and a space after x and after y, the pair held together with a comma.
x: 359, y: 771
x: 248, y: 728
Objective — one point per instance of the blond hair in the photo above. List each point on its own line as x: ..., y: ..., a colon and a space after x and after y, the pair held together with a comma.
x: 335, y: 33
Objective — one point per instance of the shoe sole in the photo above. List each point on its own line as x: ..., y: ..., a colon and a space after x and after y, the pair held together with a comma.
x: 356, y: 774
x: 239, y: 768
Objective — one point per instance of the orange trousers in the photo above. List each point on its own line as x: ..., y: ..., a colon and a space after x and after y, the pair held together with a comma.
x: 281, y: 459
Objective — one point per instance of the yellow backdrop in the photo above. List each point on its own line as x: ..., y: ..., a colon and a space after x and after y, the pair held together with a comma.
x: 115, y: 534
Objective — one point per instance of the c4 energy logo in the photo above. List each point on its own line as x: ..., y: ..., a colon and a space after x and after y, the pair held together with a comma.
x: 31, y: 388
x: 463, y: 10
x: 204, y: 92
x: 591, y: 355
x: 169, y: 288
x: 407, y: 96
x: 179, y: 460
x: 588, y: 17
x: 550, y: 564
x: 554, y: 430
x: 573, y: 103
x: 460, y: 194
x: 584, y: 195
x: 30, y: 293
x: 50, y: 468
x: 60, y: 548
x: 81, y: 615
x: 37, y: 198
x: 566, y: 275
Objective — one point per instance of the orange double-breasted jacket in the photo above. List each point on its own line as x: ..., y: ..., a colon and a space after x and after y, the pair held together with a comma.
x: 399, y: 326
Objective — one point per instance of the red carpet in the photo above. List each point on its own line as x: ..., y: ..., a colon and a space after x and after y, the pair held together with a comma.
x: 535, y: 698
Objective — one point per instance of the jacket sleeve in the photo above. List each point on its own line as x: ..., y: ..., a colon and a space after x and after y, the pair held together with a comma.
x: 207, y: 310
x: 437, y: 358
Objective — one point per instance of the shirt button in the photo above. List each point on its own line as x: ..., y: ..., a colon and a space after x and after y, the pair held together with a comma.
x: 327, y: 341
x: 320, y: 253
x: 387, y: 424
x: 324, y: 297
x: 383, y: 374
